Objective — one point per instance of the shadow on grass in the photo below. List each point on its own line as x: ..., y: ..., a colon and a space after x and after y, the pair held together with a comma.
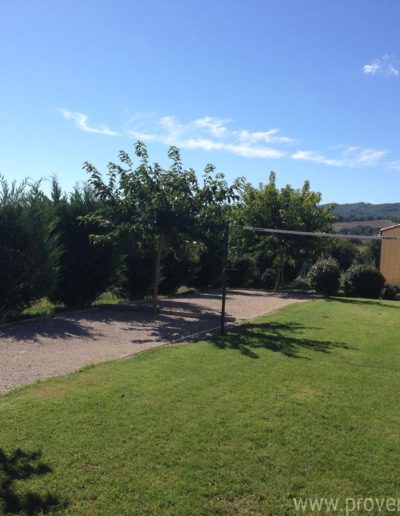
x: 364, y: 302
x: 276, y: 337
x: 22, y: 465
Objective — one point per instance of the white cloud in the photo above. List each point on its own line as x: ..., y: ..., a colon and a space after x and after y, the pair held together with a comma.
x: 315, y: 157
x: 240, y: 149
x: 265, y: 137
x: 80, y: 120
x: 385, y: 65
x: 348, y: 157
x: 394, y: 165
x: 215, y: 134
x: 215, y: 125
x: 146, y: 137
x: 209, y: 134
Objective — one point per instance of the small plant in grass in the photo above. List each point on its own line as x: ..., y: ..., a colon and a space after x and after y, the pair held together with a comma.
x: 363, y: 281
x: 324, y: 276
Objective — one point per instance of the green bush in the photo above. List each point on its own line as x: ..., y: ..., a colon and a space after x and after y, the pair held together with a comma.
x: 85, y: 267
x: 344, y: 251
x: 29, y: 250
x: 241, y: 270
x: 324, y: 276
x: 135, y: 271
x: 268, y: 279
x: 390, y: 292
x: 363, y: 281
x: 175, y: 272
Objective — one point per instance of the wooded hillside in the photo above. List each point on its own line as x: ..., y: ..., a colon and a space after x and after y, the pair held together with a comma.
x: 367, y: 211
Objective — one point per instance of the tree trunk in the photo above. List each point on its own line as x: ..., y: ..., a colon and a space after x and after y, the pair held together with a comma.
x: 157, y: 267
x: 281, y: 273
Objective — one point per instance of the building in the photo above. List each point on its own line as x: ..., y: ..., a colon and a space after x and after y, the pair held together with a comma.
x: 389, y: 264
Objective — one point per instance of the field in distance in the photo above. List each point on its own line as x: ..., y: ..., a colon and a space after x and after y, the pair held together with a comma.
x: 378, y: 224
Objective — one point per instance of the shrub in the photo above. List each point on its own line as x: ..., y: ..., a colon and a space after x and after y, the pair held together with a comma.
x: 28, y: 248
x: 324, y: 276
x: 135, y: 269
x: 344, y: 251
x: 85, y: 267
x: 241, y: 270
x: 390, y: 292
x: 363, y: 281
x: 268, y: 279
x: 175, y: 272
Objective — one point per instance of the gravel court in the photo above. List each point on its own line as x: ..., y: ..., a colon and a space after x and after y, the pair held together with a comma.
x: 58, y: 345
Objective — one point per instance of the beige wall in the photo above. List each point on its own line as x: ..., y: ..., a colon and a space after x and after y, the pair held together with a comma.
x: 390, y: 256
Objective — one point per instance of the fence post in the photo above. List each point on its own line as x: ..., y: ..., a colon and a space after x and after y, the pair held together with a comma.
x: 224, y: 271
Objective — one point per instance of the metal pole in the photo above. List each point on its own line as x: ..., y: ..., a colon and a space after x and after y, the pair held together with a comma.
x: 224, y: 270
x: 157, y: 265
x: 309, y: 233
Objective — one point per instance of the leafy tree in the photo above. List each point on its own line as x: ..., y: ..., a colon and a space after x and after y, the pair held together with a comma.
x: 286, y: 208
x: 159, y: 211
x: 344, y: 251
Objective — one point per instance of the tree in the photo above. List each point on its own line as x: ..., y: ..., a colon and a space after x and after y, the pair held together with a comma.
x: 85, y: 269
x: 29, y: 251
x: 344, y: 251
x: 286, y: 208
x: 158, y: 210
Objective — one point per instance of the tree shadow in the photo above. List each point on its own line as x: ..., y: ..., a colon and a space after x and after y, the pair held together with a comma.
x: 60, y: 327
x: 231, y: 292
x: 276, y: 337
x: 22, y: 465
x: 365, y: 302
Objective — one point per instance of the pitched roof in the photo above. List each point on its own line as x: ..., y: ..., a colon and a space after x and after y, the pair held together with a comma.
x: 390, y: 227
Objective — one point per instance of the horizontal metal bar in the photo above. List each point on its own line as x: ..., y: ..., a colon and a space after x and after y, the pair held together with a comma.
x: 323, y: 235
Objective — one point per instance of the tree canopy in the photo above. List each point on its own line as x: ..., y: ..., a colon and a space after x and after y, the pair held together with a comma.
x: 139, y: 227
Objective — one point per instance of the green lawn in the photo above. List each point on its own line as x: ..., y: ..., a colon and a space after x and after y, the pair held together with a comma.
x: 304, y: 402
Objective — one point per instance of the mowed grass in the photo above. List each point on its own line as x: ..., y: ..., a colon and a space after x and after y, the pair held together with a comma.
x: 304, y: 402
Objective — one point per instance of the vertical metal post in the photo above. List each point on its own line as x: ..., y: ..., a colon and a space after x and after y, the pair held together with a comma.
x: 224, y: 271
x: 157, y: 266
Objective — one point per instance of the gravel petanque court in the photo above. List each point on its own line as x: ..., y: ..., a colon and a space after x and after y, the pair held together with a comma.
x: 58, y: 345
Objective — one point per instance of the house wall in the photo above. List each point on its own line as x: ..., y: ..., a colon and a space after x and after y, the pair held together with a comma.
x: 390, y: 256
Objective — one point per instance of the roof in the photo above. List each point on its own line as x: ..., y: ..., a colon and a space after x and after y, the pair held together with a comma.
x: 390, y: 227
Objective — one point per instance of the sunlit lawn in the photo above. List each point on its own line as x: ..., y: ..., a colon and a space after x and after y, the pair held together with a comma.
x: 304, y: 402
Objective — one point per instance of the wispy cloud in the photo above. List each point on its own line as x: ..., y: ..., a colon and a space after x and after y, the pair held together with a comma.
x: 349, y: 156
x: 385, y: 65
x: 209, y: 134
x: 80, y: 120
x: 394, y: 165
x: 216, y: 134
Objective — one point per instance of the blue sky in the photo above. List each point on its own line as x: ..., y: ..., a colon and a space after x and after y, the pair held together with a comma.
x: 308, y: 88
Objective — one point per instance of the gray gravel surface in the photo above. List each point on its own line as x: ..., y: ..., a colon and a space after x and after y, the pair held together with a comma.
x: 65, y: 343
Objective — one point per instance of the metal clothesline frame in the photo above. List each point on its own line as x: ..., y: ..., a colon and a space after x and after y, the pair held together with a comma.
x: 256, y: 229
x: 323, y: 235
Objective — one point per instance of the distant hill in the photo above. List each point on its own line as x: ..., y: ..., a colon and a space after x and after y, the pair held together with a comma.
x: 362, y: 211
